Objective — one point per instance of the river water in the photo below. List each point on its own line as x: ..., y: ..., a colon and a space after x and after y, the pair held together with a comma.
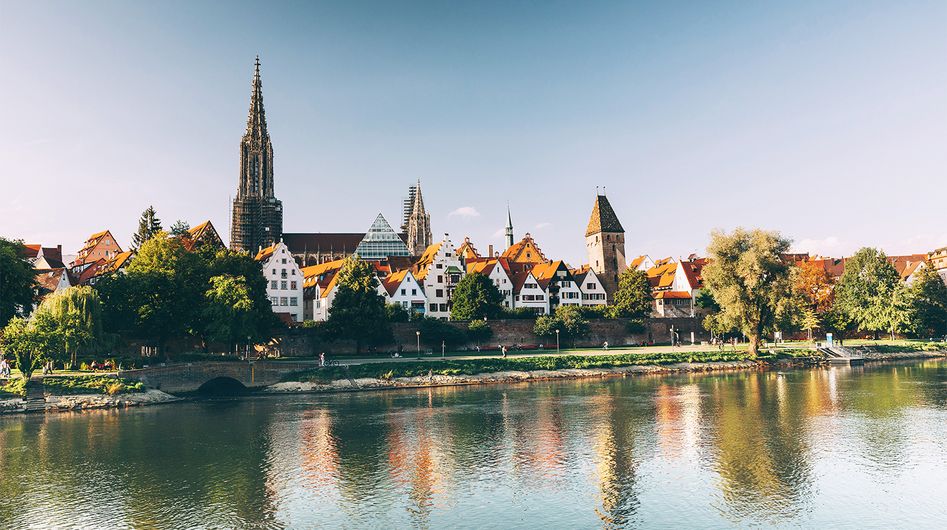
x: 838, y: 447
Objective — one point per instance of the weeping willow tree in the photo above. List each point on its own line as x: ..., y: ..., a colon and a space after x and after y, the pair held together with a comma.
x: 75, y: 315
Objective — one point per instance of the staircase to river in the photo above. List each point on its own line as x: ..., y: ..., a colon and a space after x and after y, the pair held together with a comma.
x: 35, y: 400
x: 840, y: 355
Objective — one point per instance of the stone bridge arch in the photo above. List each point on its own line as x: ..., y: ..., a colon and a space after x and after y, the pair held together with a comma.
x: 189, y: 377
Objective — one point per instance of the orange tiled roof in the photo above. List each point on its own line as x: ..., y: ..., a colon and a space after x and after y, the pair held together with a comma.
x: 393, y: 280
x: 526, y: 251
x: 266, y: 252
x: 467, y: 250
x: 422, y: 266
x: 679, y: 295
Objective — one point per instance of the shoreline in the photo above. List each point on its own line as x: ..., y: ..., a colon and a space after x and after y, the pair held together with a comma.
x: 509, y: 377
x: 83, y: 402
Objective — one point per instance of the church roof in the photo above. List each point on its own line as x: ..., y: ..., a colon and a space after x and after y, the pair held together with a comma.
x: 381, y: 241
x: 603, y: 218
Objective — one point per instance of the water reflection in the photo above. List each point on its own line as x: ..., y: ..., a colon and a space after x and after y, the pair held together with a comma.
x: 801, y: 447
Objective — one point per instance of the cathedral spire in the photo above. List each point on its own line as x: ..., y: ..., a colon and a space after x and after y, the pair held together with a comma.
x: 418, y: 225
x: 256, y: 118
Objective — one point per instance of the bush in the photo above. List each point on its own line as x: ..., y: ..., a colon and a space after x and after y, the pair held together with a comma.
x: 434, y: 332
x: 479, y: 331
x: 13, y: 388
x: 91, y: 384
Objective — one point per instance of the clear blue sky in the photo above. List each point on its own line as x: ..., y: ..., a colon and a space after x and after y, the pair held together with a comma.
x: 824, y: 120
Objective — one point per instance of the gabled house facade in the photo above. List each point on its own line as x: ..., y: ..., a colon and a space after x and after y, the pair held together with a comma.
x: 555, y: 279
x: 438, y: 271
x: 204, y: 234
x: 284, y: 280
x: 593, y: 292
x: 402, y: 289
x: 497, y: 270
x: 528, y: 294
x: 101, y: 245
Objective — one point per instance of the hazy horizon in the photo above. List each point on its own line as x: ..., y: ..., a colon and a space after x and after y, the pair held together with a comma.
x: 827, y: 122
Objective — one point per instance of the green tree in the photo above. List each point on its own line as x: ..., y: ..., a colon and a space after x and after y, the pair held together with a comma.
x: 29, y: 341
x: 749, y: 279
x: 435, y: 333
x: 396, y: 313
x: 633, y: 299
x: 479, y: 331
x: 75, y: 317
x: 179, y: 228
x: 567, y: 319
x: 358, y: 311
x: 228, y: 311
x: 475, y: 297
x: 866, y: 292
x: 17, y: 281
x: 148, y: 226
x: 930, y: 303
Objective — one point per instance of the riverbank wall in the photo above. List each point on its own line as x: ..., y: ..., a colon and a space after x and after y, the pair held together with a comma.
x: 79, y: 402
x: 305, y: 342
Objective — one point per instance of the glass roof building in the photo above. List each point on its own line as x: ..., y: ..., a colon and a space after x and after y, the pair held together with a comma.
x: 381, y: 241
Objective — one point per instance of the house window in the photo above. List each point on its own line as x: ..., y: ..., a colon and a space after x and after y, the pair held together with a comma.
x: 443, y: 307
x: 284, y: 261
x: 283, y: 301
x: 404, y: 292
x: 433, y: 307
x: 282, y: 284
x: 274, y: 300
x: 439, y: 293
x: 293, y: 301
x: 292, y: 285
x: 414, y: 292
x: 440, y: 265
x: 272, y: 284
x: 440, y: 279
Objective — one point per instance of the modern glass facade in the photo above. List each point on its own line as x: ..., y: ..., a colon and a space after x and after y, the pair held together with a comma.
x: 381, y: 241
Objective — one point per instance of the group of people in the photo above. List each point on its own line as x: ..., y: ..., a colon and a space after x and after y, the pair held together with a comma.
x: 4, y: 368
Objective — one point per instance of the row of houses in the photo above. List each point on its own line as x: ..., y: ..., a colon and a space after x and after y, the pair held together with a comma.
x: 100, y: 255
x: 425, y: 286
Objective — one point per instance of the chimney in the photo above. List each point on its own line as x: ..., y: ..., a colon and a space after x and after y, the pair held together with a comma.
x: 490, y: 250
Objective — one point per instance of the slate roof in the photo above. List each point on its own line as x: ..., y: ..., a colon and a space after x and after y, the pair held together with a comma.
x: 603, y: 218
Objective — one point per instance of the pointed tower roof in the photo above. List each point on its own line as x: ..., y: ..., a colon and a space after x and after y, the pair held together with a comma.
x: 509, y: 218
x: 381, y: 241
x: 256, y: 119
x: 418, y: 206
x: 603, y: 218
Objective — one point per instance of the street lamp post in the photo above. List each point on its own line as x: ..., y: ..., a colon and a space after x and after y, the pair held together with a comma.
x: 443, y: 348
x: 557, y: 341
x: 419, y: 342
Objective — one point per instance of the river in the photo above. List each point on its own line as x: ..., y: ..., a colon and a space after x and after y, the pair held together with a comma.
x: 852, y: 447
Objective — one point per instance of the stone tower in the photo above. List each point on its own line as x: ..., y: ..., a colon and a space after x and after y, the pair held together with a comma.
x: 605, y: 242
x: 257, y: 217
x: 418, y: 224
x: 509, y: 227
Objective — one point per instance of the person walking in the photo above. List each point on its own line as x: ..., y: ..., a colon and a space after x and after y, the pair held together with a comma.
x: 322, y: 359
x: 605, y: 345
x: 503, y: 351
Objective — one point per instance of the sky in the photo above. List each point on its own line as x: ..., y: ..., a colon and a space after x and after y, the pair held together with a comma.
x: 826, y: 121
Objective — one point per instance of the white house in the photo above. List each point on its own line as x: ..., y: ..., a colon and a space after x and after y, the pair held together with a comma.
x: 554, y: 278
x: 284, y: 280
x: 438, y: 271
x: 497, y: 271
x: 527, y: 293
x: 316, y: 289
x: 593, y: 293
x: 403, y: 289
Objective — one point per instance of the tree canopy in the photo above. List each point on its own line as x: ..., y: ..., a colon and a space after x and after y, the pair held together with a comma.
x: 74, y: 316
x: 867, y: 291
x: 148, y: 226
x: 930, y: 301
x: 164, y: 294
x: 17, y: 281
x: 30, y: 342
x: 475, y: 297
x: 358, y: 312
x: 748, y: 278
x: 633, y: 299
x: 568, y: 319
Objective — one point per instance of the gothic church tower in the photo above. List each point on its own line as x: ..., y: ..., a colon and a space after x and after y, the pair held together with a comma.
x: 418, y: 225
x: 257, y: 214
x: 605, y: 242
